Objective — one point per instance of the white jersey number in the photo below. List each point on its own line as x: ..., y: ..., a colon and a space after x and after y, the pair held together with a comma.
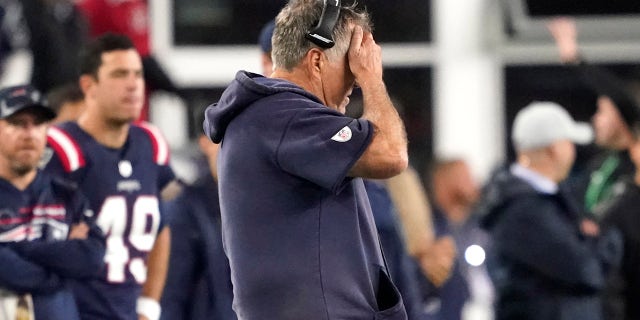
x: 113, y: 221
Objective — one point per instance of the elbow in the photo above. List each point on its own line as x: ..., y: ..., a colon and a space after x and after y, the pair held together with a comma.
x: 380, y: 165
x: 397, y: 165
x: 396, y: 159
x: 393, y: 166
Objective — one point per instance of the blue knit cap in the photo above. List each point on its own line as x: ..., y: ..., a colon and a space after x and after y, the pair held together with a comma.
x: 265, y: 36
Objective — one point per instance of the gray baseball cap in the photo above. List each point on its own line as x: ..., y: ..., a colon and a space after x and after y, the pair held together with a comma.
x: 540, y: 124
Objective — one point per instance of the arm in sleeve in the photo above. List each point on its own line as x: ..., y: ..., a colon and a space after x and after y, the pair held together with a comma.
x: 73, y: 258
x: 21, y: 275
x: 335, y: 141
x: 77, y: 258
x: 536, y: 235
x: 183, y: 268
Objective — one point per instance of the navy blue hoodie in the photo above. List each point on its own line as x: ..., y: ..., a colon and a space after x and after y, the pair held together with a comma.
x: 299, y: 233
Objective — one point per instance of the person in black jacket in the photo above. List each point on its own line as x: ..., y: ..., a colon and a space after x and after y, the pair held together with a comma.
x: 615, y: 115
x: 545, y: 264
x: 198, y: 280
x: 621, y: 212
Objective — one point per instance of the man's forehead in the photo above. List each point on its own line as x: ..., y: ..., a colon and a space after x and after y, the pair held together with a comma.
x: 128, y: 58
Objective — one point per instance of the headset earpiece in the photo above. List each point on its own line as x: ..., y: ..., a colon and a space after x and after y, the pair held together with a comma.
x: 322, y: 34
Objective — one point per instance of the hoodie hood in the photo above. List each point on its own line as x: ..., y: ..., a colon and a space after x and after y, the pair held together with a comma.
x: 501, y: 189
x: 244, y: 91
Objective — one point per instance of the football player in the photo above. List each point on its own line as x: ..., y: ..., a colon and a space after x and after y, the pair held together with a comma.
x: 121, y: 167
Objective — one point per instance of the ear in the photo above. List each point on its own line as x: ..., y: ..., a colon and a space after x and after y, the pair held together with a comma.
x: 85, y: 82
x: 315, y: 62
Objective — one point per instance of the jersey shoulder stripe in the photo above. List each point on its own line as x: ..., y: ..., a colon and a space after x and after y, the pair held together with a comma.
x: 159, y: 143
x: 67, y: 149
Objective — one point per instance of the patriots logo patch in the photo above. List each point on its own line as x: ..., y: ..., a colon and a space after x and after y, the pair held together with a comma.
x: 343, y: 135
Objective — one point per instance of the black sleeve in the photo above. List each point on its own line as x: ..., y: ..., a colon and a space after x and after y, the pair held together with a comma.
x: 156, y: 77
x: 184, y: 268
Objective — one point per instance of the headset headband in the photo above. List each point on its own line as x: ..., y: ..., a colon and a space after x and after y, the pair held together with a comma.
x: 322, y: 34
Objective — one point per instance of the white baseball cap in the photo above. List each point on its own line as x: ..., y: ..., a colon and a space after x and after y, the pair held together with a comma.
x: 540, y: 124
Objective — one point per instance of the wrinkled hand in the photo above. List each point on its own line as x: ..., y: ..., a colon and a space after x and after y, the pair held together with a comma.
x: 365, y: 57
x: 79, y: 231
x: 565, y: 34
x: 438, y: 263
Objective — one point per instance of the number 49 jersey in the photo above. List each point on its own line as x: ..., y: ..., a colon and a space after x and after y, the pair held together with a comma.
x: 123, y: 187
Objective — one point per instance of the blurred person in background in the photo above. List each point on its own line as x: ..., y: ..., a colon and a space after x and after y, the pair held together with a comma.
x: 454, y: 193
x: 621, y: 212
x: 434, y: 256
x: 543, y: 264
x: 122, y: 168
x: 53, y: 31
x: 616, y: 112
x: 67, y: 101
x: 130, y: 18
x: 264, y: 41
x: 48, y: 234
x: 199, y: 280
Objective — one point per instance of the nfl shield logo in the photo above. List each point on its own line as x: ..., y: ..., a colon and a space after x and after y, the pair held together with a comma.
x: 343, y: 135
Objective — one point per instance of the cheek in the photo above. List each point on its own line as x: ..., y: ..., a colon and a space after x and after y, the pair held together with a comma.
x: 571, y: 158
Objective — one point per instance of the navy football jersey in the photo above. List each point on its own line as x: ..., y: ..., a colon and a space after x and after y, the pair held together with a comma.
x: 35, y: 255
x: 123, y: 187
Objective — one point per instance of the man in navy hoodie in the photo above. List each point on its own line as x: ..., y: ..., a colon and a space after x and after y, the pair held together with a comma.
x: 297, y: 224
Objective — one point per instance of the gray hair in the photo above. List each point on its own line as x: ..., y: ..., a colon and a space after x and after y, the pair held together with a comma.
x: 297, y: 18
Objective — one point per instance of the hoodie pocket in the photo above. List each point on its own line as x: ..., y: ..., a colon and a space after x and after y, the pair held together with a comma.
x: 389, y: 300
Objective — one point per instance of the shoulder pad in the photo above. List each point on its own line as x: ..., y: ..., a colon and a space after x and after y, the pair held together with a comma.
x: 160, y: 145
x: 67, y: 148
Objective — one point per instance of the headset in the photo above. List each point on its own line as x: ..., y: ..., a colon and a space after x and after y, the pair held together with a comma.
x: 322, y: 34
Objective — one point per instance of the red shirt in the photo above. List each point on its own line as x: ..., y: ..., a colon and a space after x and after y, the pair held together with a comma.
x: 128, y: 17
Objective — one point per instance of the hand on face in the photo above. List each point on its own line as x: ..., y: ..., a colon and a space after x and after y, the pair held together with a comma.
x: 365, y: 57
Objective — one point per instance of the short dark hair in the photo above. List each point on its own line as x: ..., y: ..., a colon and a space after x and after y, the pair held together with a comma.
x: 68, y: 93
x: 91, y: 55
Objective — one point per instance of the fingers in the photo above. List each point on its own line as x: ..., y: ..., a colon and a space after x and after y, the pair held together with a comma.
x: 79, y: 231
x: 356, y: 39
x: 365, y: 61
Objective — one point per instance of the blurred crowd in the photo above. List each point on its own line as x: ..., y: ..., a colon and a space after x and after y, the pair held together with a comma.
x: 537, y: 241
